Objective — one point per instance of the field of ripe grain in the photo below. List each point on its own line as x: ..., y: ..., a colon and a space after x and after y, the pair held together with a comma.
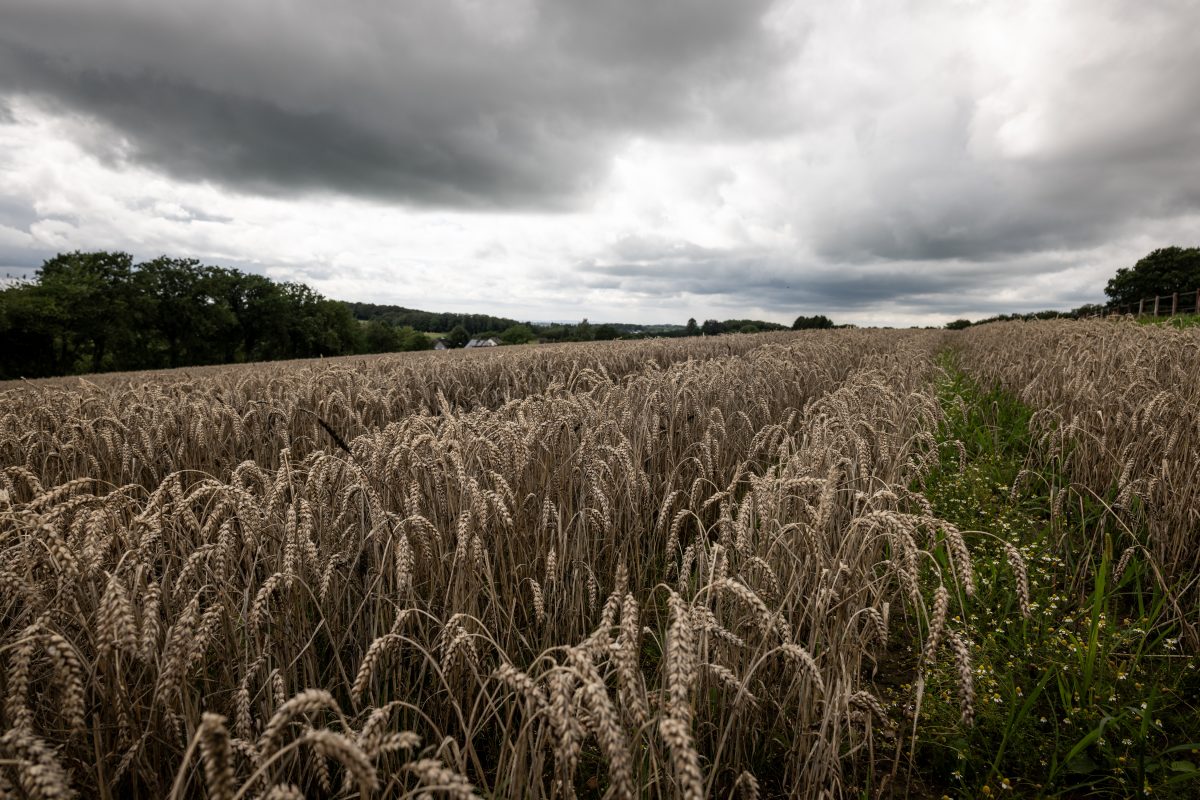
x: 688, y: 568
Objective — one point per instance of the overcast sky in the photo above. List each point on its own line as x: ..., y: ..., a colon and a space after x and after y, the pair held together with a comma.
x: 624, y: 160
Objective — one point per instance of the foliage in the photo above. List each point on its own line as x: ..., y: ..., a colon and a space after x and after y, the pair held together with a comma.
x: 958, y: 324
x: 1162, y: 272
x: 1088, y: 310
x: 1033, y: 316
x: 93, y: 312
x: 605, y: 333
x: 383, y: 337
x: 429, y: 321
x: 712, y: 327
x: 517, y: 334
x: 458, y: 336
x: 819, y: 321
x: 1179, y: 321
x: 483, y: 325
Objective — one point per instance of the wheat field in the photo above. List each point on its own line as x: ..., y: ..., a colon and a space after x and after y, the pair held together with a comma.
x: 1116, y: 408
x: 669, y: 568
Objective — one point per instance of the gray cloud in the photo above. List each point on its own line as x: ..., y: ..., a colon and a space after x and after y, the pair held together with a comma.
x: 1077, y: 144
x: 986, y: 212
x: 647, y: 269
x: 430, y: 102
x: 790, y: 157
x: 16, y: 213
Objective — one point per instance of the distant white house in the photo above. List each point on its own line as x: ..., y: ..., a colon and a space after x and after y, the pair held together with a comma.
x: 440, y: 344
x: 482, y: 343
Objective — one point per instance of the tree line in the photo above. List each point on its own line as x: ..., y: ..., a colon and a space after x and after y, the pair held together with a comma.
x: 1160, y: 273
x: 100, y: 311
x: 512, y: 331
x: 430, y: 321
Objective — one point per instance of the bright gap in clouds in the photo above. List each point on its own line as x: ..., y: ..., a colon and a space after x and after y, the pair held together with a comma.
x: 883, y: 163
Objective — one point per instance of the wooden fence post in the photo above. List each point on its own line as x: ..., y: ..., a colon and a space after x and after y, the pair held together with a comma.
x: 1141, y: 306
x: 1156, y: 305
x: 1174, y: 303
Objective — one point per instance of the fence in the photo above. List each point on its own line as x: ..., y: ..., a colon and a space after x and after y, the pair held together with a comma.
x: 1167, y: 305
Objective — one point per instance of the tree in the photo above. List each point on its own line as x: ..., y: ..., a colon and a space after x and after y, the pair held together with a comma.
x: 1162, y: 272
x: 94, y: 292
x: 458, y: 336
x: 710, y: 327
x: 958, y: 324
x: 692, y: 328
x: 556, y: 333
x: 34, y: 334
x: 517, y: 334
x: 88, y: 312
x: 583, y: 331
x: 337, y: 331
x: 605, y: 333
x: 414, y: 340
x: 380, y: 337
x: 184, y: 302
x: 820, y: 321
x: 1088, y: 310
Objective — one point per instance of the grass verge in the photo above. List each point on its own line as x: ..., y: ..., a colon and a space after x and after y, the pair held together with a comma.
x: 1177, y: 321
x: 1090, y: 695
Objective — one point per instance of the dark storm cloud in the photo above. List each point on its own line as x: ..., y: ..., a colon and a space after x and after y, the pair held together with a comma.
x: 991, y: 211
x: 435, y: 102
x: 767, y: 280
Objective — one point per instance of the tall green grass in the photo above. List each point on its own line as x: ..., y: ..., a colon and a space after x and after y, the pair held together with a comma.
x: 1090, y: 696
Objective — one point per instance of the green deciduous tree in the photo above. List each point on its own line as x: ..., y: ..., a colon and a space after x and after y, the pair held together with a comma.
x: 380, y: 337
x: 414, y: 340
x: 93, y: 294
x: 184, y: 302
x: 89, y: 312
x: 517, y: 334
x: 458, y: 336
x: 820, y: 321
x: 34, y: 336
x: 1162, y: 272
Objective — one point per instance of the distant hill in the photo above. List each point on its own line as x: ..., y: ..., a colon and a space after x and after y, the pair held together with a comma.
x: 441, y: 322
x: 650, y: 330
x: 429, y: 321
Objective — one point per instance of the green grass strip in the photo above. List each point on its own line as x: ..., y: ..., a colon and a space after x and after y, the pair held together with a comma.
x: 1091, y: 695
